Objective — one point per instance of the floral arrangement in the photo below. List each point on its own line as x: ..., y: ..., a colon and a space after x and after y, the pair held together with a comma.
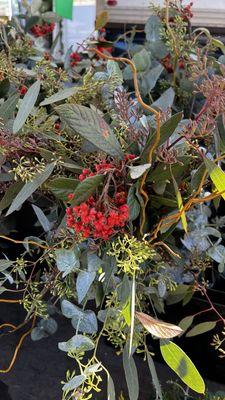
x: 120, y: 162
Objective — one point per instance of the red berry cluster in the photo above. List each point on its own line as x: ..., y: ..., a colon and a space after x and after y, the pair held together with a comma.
x: 23, y: 90
x: 94, y: 220
x: 187, y: 14
x: 75, y: 58
x: 166, y: 62
x: 42, y: 30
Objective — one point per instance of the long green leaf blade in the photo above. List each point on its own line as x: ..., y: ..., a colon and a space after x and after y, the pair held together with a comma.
x: 30, y: 187
x: 26, y: 106
x: 182, y: 365
x: 217, y: 175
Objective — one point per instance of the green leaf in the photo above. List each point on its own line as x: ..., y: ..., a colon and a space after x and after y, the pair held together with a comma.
x: 130, y: 374
x: 26, y: 106
x: 83, y: 283
x: 166, y: 131
x: 90, y: 125
x: 86, y: 188
x: 42, y: 218
x: 182, y: 365
x: 155, y: 379
x: 62, y: 187
x: 67, y: 260
x: 74, y: 383
x: 133, y: 203
x: 8, y: 107
x: 186, y: 322
x: 44, y: 328
x: 217, y: 175
x: 138, y: 170
x: 150, y: 78
x: 4, y: 87
x: 165, y: 101
x: 83, y: 343
x: 110, y: 389
x: 152, y: 28
x: 59, y: 96
x: 4, y: 264
x: 201, y: 328
x: 115, y: 72
x: 179, y: 203
x: 10, y: 194
x: 85, y: 321
x: 101, y: 20
x: 30, y: 187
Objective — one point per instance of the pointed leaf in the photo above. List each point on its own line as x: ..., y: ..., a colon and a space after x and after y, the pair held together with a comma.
x: 30, y: 187
x: 155, y: 379
x: 90, y: 125
x: 62, y: 187
x: 160, y: 329
x: 182, y: 365
x: 101, y: 20
x: 42, y: 218
x: 26, y: 106
x: 138, y: 170
x: 8, y: 107
x: 74, y: 383
x: 84, y: 281
x: 110, y: 389
x: 217, y: 175
x: 179, y: 203
x: 61, y: 95
x: 186, y: 322
x: 201, y: 328
x: 130, y: 374
x: 86, y: 188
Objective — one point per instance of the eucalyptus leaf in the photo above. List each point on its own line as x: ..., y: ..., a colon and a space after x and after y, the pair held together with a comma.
x: 67, y: 260
x: 30, y: 187
x: 26, y: 106
x: 59, y: 96
x: 131, y: 375
x: 201, y: 328
x: 77, y: 342
x: 83, y: 283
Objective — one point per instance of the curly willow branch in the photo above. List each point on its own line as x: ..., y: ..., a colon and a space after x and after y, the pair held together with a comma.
x: 146, y: 107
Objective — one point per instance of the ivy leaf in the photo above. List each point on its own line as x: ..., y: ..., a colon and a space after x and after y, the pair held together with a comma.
x: 201, y: 328
x: 130, y: 374
x: 182, y: 365
x: 101, y: 20
x: 86, y: 188
x: 90, y: 125
x: 217, y: 175
x: 62, y: 187
x: 158, y: 328
x: 67, y: 260
x: 30, y: 187
x: 77, y: 342
x: 83, y: 283
x: 26, y: 106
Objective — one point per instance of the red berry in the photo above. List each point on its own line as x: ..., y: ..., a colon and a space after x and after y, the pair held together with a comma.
x: 23, y: 90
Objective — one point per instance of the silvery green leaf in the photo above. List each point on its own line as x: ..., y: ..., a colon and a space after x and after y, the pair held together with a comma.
x: 93, y: 262
x: 161, y: 289
x: 30, y: 187
x: 26, y: 106
x: 67, y: 260
x: 85, y: 322
x: 74, y: 383
x: 110, y: 389
x: 42, y: 218
x: 59, y: 96
x: 4, y: 264
x: 83, y: 283
x: 153, y: 28
x: 44, y: 328
x: 217, y: 253
x: 68, y: 309
x: 155, y: 379
x: 131, y: 375
x: 138, y: 170
x: 92, y: 369
x: 83, y: 343
x: 165, y: 101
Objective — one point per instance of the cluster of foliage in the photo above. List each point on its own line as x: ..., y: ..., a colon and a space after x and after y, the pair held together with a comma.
x: 120, y: 162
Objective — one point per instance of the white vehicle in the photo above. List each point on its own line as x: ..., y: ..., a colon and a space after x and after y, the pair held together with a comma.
x: 207, y: 13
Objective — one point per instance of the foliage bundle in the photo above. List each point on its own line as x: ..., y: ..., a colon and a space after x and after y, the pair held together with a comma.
x: 120, y: 163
